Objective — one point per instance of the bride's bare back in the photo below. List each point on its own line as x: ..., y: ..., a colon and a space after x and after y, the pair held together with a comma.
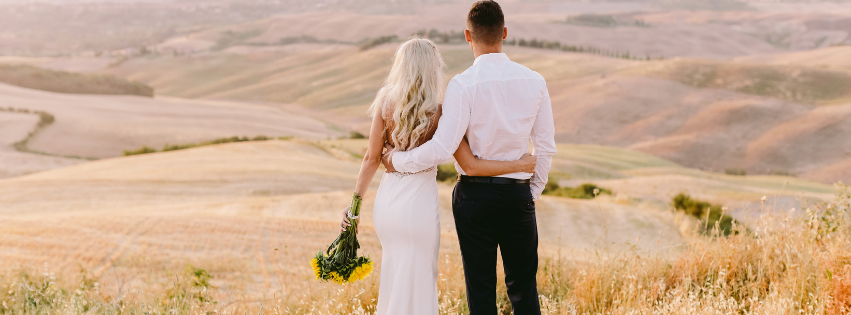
x: 389, y: 124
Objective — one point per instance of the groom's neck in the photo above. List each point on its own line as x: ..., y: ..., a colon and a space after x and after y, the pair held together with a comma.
x: 479, y: 50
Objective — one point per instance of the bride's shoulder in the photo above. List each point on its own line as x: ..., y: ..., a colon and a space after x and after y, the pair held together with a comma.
x: 387, y: 108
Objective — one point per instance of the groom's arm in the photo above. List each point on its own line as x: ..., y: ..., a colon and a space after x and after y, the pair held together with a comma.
x: 450, y: 130
x: 543, y: 141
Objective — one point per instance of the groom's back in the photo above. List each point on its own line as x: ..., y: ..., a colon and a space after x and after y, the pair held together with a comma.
x: 504, y: 98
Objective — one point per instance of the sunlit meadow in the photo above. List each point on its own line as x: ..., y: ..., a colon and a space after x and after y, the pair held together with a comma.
x: 798, y: 263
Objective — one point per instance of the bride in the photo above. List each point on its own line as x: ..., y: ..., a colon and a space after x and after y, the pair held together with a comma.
x: 404, y: 116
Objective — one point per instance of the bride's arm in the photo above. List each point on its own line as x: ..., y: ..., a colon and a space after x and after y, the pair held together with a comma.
x: 372, y: 157
x: 475, y: 167
x: 371, y: 160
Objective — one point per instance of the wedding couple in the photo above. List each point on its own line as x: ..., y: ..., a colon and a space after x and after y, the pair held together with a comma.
x: 487, y: 117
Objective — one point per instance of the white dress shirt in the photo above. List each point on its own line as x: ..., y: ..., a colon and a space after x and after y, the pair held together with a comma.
x: 499, y: 104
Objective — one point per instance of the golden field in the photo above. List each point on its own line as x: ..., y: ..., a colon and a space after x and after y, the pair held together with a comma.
x: 252, y: 214
x: 742, y: 104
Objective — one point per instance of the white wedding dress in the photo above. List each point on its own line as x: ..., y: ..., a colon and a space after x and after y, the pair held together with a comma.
x: 407, y: 222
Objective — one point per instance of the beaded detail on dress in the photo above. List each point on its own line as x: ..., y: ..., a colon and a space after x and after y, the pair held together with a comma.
x: 403, y: 174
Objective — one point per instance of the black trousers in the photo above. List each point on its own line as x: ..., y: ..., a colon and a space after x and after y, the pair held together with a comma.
x: 488, y: 216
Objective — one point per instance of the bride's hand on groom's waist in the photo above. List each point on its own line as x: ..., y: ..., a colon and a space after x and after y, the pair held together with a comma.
x: 386, y: 158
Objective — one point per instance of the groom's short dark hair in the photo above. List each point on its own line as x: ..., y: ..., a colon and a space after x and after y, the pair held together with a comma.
x: 486, y: 22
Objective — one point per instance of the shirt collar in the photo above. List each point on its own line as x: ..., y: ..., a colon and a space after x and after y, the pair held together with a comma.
x: 491, y: 58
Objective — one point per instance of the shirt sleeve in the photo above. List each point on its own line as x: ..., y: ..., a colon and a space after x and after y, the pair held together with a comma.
x: 544, y: 144
x: 450, y: 130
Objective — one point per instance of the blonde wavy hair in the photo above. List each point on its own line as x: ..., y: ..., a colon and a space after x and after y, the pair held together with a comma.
x: 415, y: 86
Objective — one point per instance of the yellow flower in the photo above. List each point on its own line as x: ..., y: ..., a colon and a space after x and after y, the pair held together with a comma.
x: 367, y: 269
x: 314, y: 263
x: 337, y: 278
x: 361, y: 272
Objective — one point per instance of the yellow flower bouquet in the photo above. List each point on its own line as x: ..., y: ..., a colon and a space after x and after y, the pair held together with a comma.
x: 340, y: 262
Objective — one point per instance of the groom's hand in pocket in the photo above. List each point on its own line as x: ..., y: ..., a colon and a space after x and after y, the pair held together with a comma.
x: 386, y: 158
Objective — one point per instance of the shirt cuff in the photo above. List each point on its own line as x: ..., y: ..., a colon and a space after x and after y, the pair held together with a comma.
x: 536, y: 192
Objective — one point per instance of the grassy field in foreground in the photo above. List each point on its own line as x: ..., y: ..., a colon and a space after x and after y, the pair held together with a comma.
x: 230, y: 228
x: 784, y: 266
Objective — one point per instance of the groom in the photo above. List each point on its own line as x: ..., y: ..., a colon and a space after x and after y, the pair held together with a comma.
x: 499, y: 105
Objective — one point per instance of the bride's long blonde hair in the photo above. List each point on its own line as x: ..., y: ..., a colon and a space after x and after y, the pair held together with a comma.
x: 415, y: 87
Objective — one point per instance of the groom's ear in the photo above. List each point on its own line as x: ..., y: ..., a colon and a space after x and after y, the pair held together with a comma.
x: 505, y: 33
x: 468, y: 36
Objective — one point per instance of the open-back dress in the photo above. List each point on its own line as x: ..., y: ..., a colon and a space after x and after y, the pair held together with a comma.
x: 407, y: 222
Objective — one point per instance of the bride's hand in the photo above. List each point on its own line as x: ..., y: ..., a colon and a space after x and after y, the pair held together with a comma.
x: 345, y: 223
x: 528, y: 163
x: 385, y: 158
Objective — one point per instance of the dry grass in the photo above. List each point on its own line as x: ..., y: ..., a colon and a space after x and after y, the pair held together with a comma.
x: 798, y: 264
x: 252, y: 214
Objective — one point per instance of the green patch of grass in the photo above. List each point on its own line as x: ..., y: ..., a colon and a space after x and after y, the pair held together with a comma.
x: 67, y: 82
x: 595, y: 20
x: 553, y: 45
x: 584, y: 191
x: 175, y: 147
x: 31, y: 292
x: 142, y: 150
x: 712, y: 215
x: 308, y: 39
x: 446, y: 173
x: 735, y: 172
x: 45, y: 119
x: 230, y: 38
x: 372, y: 42
x: 451, y: 37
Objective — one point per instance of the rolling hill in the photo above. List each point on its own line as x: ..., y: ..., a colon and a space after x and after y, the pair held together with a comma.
x: 525, y: 21
x: 98, y: 126
x: 704, y: 114
x: 249, y: 213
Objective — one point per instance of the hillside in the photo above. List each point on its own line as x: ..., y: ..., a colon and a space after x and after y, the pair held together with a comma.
x: 14, y: 127
x: 68, y: 82
x: 838, y: 57
x: 99, y: 126
x: 708, y: 129
x: 525, y: 22
x: 249, y: 213
x: 644, y: 179
x: 703, y: 114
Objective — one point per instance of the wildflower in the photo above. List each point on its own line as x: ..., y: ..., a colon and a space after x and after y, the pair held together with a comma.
x: 336, y: 277
x: 314, y: 263
x: 763, y: 200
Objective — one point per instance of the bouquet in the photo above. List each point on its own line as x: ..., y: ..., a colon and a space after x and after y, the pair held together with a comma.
x: 340, y: 262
